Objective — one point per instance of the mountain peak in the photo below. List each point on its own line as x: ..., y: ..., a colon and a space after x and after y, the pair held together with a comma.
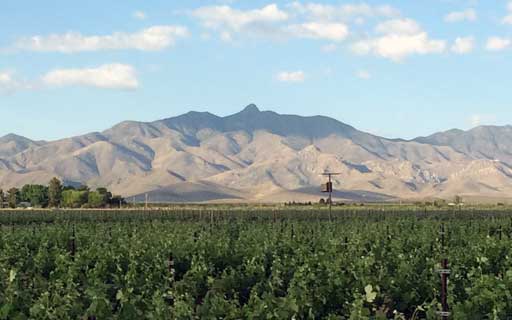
x: 252, y: 108
x: 14, y: 137
x: 11, y: 136
x: 252, y: 154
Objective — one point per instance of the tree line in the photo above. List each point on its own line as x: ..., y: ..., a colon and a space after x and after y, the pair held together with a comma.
x: 57, y: 195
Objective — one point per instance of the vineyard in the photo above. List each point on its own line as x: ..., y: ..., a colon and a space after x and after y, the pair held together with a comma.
x: 254, y: 263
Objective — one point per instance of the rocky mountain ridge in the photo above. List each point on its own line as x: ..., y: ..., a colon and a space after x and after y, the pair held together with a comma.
x: 263, y: 156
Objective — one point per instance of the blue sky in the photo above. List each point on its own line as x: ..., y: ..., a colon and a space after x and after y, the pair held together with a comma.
x: 393, y: 68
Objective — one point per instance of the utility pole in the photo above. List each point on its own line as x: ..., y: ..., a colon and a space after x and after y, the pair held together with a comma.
x: 445, y: 272
x: 327, y: 187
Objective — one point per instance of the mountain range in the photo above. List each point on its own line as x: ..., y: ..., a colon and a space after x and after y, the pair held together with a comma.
x: 264, y: 156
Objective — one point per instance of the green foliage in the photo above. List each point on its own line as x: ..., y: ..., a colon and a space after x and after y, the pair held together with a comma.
x: 13, y: 197
x: 252, y: 263
x: 2, y: 198
x: 37, y: 195
x: 54, y: 193
x: 106, y: 194
x: 57, y: 195
x: 102, y: 198
x: 97, y: 200
x: 74, y: 198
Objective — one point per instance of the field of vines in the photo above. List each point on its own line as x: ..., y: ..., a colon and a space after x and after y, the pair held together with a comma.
x: 254, y: 263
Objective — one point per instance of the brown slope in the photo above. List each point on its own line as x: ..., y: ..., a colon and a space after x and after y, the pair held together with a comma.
x: 261, y: 154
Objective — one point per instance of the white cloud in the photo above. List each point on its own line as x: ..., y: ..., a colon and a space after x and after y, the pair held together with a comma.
x: 363, y: 74
x: 316, y: 30
x: 395, y: 38
x: 269, y: 22
x: 458, y: 16
x: 324, y: 12
x: 227, y: 17
x: 228, y: 22
x: 140, y: 15
x: 294, y: 76
x: 150, y: 39
x: 399, y: 38
x: 497, y: 43
x: 399, y: 26
x: 109, y: 76
x: 463, y: 45
x: 396, y: 47
x: 296, y: 20
x: 508, y: 18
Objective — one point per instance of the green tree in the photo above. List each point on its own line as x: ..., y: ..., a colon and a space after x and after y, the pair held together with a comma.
x: 74, y: 198
x: 13, y: 197
x: 104, y: 191
x: 54, y: 193
x: 97, y: 199
x: 2, y: 198
x: 36, y: 194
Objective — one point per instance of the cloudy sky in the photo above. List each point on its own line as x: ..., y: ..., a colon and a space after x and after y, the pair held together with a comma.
x: 399, y: 68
